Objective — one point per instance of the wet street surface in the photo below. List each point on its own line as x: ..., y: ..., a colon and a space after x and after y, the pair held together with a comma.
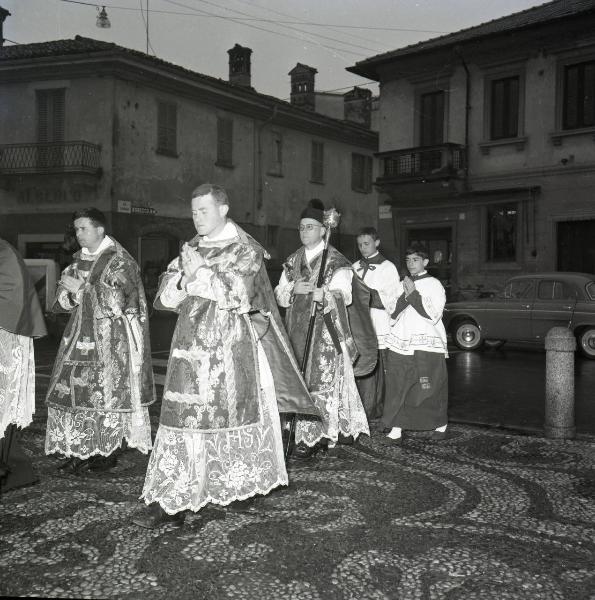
x: 485, y: 514
x: 506, y: 388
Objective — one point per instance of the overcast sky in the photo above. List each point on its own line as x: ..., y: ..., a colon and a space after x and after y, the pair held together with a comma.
x: 338, y: 34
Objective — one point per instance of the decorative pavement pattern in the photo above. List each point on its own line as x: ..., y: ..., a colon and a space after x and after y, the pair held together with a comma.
x: 482, y: 515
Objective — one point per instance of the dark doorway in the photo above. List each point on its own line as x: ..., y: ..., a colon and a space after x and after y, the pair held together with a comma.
x: 576, y: 246
x: 157, y: 250
x: 438, y: 243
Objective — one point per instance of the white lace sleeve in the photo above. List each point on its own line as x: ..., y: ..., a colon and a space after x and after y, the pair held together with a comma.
x: 341, y: 282
x: 284, y: 291
x: 171, y: 296
x: 391, y: 288
x: 433, y: 299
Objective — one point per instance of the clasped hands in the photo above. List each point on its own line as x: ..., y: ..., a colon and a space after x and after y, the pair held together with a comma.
x: 408, y: 285
x: 72, y: 284
x: 191, y: 261
x: 307, y: 287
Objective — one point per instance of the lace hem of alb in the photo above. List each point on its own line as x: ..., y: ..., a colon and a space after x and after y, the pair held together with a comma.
x: 88, y: 433
x: 188, y: 470
x: 343, y: 412
x: 17, y: 380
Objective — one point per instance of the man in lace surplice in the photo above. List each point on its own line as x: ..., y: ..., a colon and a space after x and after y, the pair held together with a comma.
x: 102, y: 381
x: 329, y: 372
x: 230, y: 372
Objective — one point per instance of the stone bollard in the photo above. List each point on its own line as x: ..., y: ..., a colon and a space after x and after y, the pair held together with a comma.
x: 560, y: 345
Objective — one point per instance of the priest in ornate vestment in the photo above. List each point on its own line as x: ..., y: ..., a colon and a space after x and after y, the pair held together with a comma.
x: 21, y: 320
x: 230, y: 373
x: 329, y: 372
x: 102, y: 381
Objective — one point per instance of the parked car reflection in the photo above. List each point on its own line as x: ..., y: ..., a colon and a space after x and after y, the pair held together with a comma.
x: 526, y: 309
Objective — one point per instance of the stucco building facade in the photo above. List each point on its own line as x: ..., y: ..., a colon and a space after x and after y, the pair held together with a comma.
x: 88, y: 123
x: 487, y: 146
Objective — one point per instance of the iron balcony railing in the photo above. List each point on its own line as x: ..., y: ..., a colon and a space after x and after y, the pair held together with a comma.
x: 423, y: 162
x: 50, y: 157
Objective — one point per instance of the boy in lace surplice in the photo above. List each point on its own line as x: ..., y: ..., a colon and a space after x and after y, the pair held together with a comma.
x: 102, y: 381
x: 230, y: 372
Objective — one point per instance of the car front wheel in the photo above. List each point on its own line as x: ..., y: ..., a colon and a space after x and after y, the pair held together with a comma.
x: 586, y: 343
x: 467, y: 336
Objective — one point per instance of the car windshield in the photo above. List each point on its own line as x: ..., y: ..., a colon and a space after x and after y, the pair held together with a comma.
x: 591, y: 290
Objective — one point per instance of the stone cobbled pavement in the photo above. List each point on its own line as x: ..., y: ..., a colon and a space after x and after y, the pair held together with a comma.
x: 485, y: 514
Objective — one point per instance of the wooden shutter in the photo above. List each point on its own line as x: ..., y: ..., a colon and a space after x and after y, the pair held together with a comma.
x: 167, y: 125
x: 432, y: 119
x: 504, y: 108
x: 317, y: 168
x: 225, y: 141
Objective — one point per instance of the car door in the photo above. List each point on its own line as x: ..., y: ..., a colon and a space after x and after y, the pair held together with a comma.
x: 514, y: 311
x: 553, y: 306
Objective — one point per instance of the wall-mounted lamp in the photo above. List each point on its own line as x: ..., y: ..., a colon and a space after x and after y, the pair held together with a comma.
x: 102, y: 19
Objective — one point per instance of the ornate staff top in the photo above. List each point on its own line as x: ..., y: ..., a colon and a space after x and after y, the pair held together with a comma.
x: 331, y: 218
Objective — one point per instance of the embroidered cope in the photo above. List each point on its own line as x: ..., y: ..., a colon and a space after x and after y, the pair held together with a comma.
x: 329, y: 371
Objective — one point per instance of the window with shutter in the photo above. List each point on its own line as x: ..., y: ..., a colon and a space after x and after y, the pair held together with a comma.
x: 50, y: 126
x: 579, y: 96
x: 432, y: 119
x: 317, y: 169
x: 504, y: 108
x: 224, y: 142
x: 361, y: 173
x: 167, y: 128
x: 276, y: 165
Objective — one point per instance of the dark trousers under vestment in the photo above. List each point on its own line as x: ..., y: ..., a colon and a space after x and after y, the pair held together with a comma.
x: 371, y: 388
x: 416, y: 395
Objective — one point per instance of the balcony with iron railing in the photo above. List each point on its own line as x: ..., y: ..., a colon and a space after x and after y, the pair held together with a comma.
x: 50, y: 157
x: 422, y: 163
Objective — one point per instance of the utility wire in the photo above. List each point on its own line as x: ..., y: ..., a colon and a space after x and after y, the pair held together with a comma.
x: 261, y: 20
x: 280, y: 34
x: 243, y: 14
x: 276, y: 12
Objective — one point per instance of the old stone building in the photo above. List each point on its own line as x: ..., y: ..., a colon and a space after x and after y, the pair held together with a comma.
x: 90, y: 123
x: 487, y: 146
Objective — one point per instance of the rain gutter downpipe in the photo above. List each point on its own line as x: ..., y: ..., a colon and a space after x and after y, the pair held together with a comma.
x: 467, y: 111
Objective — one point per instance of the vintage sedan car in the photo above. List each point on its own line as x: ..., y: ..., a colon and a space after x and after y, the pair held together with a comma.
x: 526, y: 309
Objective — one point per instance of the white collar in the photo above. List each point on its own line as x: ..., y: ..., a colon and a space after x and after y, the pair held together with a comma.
x: 106, y: 242
x: 228, y: 231
x: 373, y: 255
x: 311, y: 253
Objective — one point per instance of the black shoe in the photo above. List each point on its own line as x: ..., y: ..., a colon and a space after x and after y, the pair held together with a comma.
x: 303, y: 452
x: 346, y: 440
x: 388, y: 441
x: 99, y: 464
x: 438, y: 435
x: 156, y: 517
x: 4, y: 470
x: 74, y: 465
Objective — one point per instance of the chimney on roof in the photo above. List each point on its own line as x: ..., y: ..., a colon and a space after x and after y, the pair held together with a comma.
x: 239, y: 65
x: 3, y: 14
x: 302, y: 86
x: 357, y: 106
